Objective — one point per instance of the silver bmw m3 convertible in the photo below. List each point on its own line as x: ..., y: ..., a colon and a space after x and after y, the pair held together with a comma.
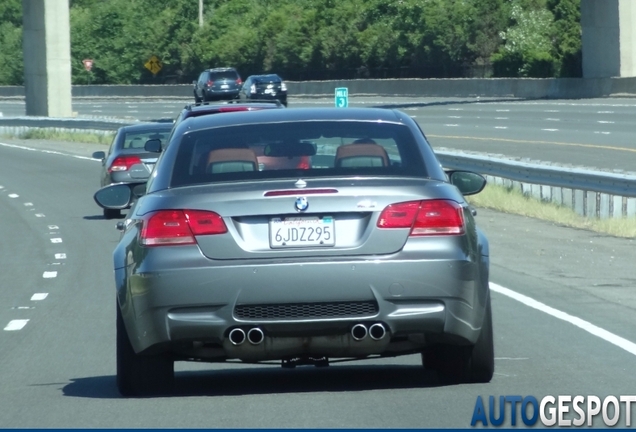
x: 303, y: 237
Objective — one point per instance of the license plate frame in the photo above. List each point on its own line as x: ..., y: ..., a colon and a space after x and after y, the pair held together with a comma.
x: 302, y: 232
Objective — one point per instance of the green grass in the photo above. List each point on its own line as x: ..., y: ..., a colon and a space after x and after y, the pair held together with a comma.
x: 511, y: 201
x: 55, y: 135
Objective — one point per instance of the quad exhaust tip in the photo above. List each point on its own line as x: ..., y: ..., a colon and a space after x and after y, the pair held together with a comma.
x: 237, y: 336
x: 255, y: 336
x: 377, y: 331
x: 358, y: 332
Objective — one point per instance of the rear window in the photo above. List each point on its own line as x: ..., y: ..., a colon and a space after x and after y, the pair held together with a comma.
x: 137, y: 139
x: 296, y: 149
x: 225, y: 75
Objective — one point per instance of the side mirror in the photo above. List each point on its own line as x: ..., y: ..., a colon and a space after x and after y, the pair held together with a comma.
x: 99, y: 155
x: 468, y: 183
x: 116, y: 197
x: 153, y: 146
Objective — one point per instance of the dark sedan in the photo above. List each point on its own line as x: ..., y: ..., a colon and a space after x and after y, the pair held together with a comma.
x: 127, y: 161
x: 369, y: 251
x: 264, y: 87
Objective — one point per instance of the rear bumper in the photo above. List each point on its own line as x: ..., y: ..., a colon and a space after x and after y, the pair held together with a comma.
x: 221, y: 94
x: 418, y: 302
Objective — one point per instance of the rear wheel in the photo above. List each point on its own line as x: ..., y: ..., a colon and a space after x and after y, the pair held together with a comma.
x: 472, y: 364
x: 197, y: 99
x: 111, y: 214
x: 141, y: 375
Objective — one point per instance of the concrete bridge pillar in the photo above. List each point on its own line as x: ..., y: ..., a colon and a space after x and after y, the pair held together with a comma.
x: 609, y: 38
x: 46, y: 44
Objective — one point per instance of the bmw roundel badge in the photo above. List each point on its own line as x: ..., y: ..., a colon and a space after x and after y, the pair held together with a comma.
x: 301, y: 204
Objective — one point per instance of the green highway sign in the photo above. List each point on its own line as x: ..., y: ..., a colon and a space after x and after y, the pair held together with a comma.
x: 342, y: 97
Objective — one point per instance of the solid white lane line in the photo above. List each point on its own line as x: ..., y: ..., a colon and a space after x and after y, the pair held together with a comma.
x: 551, y: 111
x: 49, y: 274
x: 620, y: 342
x: 553, y: 119
x: 501, y: 127
x: 17, y: 324
x: 501, y: 118
x: 605, y: 122
x: 39, y: 296
x: 47, y: 151
x: 452, y: 125
x: 550, y: 130
x: 13, y: 195
x: 56, y: 240
x: 60, y: 256
x: 456, y: 109
x: 604, y: 133
x: 605, y: 112
x: 503, y: 110
x: 454, y: 116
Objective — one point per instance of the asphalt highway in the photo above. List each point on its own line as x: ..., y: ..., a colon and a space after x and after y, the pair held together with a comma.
x: 594, y: 133
x: 563, y: 307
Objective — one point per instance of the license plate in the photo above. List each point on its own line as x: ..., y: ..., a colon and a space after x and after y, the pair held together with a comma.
x: 269, y: 91
x: 301, y: 232
x: 225, y: 86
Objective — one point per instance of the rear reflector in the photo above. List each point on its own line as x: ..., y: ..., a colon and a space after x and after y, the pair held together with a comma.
x: 429, y: 217
x: 178, y: 227
x: 123, y: 163
x: 297, y: 192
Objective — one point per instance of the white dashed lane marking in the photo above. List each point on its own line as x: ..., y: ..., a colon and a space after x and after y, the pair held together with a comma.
x: 605, y: 122
x: 17, y: 324
x: 501, y: 127
x: 40, y: 215
x: 60, y: 256
x: 39, y: 296
x: 451, y: 125
x: 550, y: 130
x: 56, y: 240
x: 53, y: 227
x: 13, y: 195
x: 49, y: 274
x: 28, y: 204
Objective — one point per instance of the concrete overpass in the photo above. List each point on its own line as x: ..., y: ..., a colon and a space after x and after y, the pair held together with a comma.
x: 609, y: 49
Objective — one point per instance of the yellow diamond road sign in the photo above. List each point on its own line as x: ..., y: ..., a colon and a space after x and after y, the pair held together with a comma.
x: 153, y: 65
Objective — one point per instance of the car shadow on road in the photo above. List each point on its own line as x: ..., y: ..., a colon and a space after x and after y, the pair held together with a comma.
x: 101, y: 217
x: 270, y: 380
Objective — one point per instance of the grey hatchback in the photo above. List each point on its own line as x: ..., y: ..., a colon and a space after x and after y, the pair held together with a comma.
x: 370, y: 250
x: 217, y: 84
x: 127, y: 161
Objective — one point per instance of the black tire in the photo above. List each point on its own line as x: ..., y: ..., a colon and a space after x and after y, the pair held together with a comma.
x: 111, y: 214
x: 141, y: 375
x: 197, y: 99
x: 470, y: 364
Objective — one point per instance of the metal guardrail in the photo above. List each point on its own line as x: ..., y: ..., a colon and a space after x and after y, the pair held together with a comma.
x: 618, y: 184
x: 64, y: 123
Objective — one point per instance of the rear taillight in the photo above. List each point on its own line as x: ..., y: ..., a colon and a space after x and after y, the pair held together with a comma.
x: 210, y: 83
x: 429, y: 217
x: 304, y: 163
x: 178, y: 227
x: 283, y: 87
x: 123, y: 163
x: 239, y: 81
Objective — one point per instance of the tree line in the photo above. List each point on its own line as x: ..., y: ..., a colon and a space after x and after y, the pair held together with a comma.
x: 310, y: 39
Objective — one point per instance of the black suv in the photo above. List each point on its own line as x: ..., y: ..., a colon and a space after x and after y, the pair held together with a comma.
x: 264, y: 87
x: 217, y: 84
